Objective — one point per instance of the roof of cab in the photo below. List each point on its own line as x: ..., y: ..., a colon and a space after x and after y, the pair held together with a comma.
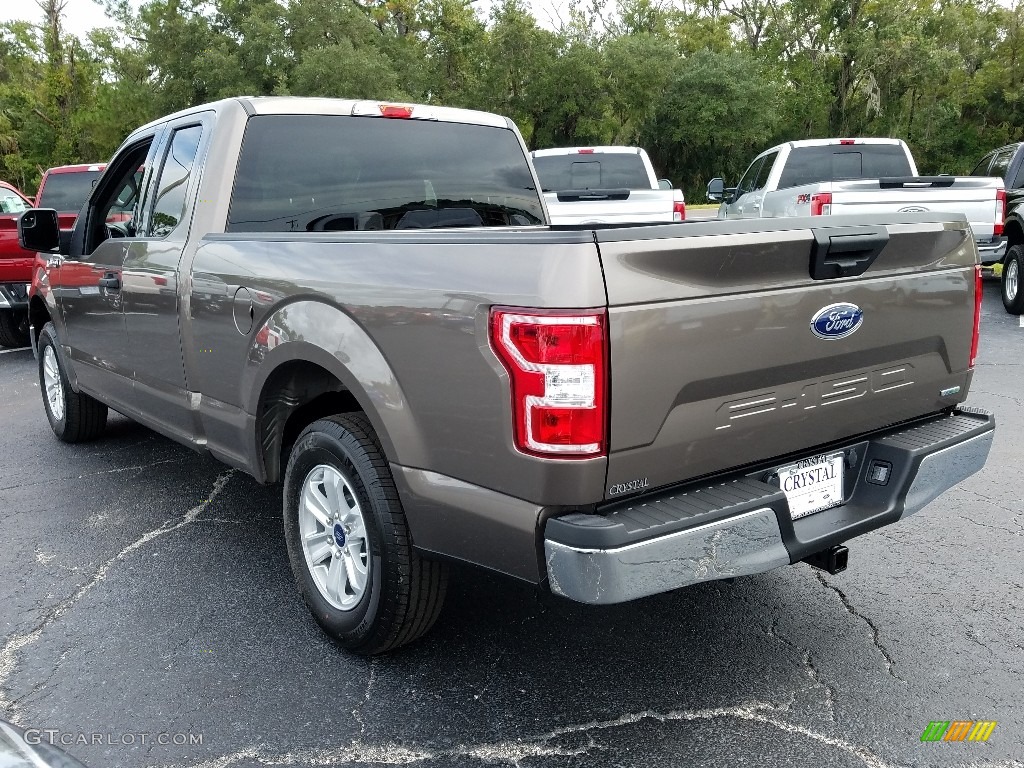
x: 304, y: 105
x: 79, y: 168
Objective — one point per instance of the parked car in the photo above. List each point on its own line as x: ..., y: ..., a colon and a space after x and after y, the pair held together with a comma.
x: 1008, y: 164
x: 605, y: 185
x: 15, y: 269
x: 870, y: 176
x: 602, y: 411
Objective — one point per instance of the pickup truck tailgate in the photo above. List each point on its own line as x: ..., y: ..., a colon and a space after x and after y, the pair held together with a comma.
x: 610, y: 206
x: 713, y: 358
x: 973, y: 197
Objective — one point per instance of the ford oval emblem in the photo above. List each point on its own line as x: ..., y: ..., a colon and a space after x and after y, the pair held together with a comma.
x: 913, y: 209
x: 836, y: 321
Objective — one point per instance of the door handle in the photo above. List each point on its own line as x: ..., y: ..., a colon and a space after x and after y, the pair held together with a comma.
x: 756, y: 206
x: 111, y: 281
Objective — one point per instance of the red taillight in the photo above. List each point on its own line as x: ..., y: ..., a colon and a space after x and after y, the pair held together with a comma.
x: 679, y: 210
x: 393, y: 110
x: 821, y: 204
x: 585, y: 151
x: 977, y: 314
x: 997, y: 230
x: 557, y: 366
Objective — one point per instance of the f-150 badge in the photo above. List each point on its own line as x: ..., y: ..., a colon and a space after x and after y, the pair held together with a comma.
x: 836, y: 321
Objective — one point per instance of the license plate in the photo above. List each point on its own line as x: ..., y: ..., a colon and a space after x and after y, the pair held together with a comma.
x: 813, y: 484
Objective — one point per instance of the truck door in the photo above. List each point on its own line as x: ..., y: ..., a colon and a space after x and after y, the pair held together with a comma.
x: 91, y: 279
x: 742, y: 204
x: 151, y: 288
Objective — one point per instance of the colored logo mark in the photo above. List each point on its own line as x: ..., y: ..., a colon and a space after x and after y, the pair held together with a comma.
x: 958, y: 730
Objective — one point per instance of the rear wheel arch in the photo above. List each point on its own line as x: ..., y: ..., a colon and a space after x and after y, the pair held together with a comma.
x: 1014, y: 232
x: 298, y: 391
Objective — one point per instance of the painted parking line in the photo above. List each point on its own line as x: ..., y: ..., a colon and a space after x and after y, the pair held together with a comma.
x: 22, y: 349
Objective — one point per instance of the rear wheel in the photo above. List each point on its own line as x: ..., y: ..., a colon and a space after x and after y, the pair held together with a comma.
x: 13, y: 328
x: 74, y: 416
x: 1013, y: 269
x: 348, y: 542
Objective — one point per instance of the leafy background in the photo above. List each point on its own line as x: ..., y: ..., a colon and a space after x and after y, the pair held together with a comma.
x: 702, y: 85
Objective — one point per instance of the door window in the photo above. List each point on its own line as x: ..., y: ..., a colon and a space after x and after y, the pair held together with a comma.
x: 169, y: 205
x: 1001, y: 162
x: 115, y: 210
x: 766, y: 170
x: 749, y: 178
x: 981, y: 169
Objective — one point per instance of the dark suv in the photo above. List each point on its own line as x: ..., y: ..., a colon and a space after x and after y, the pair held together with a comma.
x: 1008, y: 163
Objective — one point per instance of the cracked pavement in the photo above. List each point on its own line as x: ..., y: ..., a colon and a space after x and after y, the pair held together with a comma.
x: 146, y: 589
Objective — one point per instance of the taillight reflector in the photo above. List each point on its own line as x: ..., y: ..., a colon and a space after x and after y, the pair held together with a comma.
x: 997, y: 230
x: 557, y: 366
x: 975, y: 338
x: 821, y: 204
x: 394, y: 110
x: 585, y: 151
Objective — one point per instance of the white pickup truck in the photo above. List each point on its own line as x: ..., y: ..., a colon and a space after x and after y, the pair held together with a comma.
x: 605, y: 185
x: 876, y: 176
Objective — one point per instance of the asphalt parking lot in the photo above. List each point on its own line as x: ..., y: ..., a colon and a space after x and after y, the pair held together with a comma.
x: 145, y: 591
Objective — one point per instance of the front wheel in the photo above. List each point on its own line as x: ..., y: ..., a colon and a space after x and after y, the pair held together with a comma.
x: 1013, y: 268
x: 348, y: 542
x: 74, y: 416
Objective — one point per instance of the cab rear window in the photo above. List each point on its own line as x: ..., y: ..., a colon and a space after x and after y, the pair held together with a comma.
x: 593, y: 170
x: 314, y: 173
x: 67, y: 192
x: 811, y: 165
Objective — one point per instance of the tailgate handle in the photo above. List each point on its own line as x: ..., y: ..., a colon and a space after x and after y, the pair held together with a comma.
x: 901, y: 182
x: 579, y: 195
x: 847, y: 252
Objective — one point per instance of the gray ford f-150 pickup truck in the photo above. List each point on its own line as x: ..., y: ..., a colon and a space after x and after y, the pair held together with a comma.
x: 365, y: 302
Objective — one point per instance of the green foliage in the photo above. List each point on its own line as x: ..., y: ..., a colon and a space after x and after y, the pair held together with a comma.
x: 702, y: 84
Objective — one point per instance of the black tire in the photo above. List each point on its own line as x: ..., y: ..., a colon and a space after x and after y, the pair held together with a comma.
x: 14, y: 328
x: 404, y: 593
x: 1013, y: 272
x: 84, y: 417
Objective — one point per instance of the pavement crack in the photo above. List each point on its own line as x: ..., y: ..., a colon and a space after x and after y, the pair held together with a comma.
x: 357, y: 713
x: 14, y: 644
x: 116, y: 470
x: 890, y: 664
x: 810, y: 668
x: 513, y: 752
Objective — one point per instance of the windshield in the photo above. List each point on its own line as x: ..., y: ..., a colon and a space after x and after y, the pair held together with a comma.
x: 810, y: 165
x: 338, y: 173
x: 67, y: 192
x: 595, y: 170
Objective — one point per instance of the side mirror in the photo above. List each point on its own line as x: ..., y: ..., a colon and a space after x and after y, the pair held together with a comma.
x: 665, y: 184
x: 39, y: 230
x: 716, y: 190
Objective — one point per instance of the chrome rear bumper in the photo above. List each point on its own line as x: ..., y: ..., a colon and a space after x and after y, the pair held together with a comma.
x: 609, y: 558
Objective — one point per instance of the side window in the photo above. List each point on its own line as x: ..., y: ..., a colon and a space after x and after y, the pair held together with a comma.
x: 747, y: 182
x: 766, y: 170
x: 1001, y: 163
x: 981, y: 169
x: 114, y: 210
x: 1018, y: 181
x: 169, y: 202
